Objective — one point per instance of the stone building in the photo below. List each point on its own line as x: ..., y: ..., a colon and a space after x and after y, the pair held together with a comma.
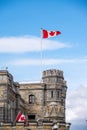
x: 10, y: 100
x: 43, y: 102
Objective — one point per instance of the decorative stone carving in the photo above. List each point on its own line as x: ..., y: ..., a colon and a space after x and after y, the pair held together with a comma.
x: 53, y: 110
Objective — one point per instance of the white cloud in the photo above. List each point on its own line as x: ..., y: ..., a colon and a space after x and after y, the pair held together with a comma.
x: 76, y: 111
x: 38, y: 61
x: 45, y: 61
x: 27, y: 44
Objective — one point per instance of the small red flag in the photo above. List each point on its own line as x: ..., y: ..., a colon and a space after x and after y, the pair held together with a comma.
x: 20, y: 118
x: 47, y: 34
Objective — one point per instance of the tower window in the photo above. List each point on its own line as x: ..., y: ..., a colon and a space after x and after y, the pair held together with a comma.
x: 51, y: 94
x: 58, y: 94
x: 31, y: 99
x: 62, y: 102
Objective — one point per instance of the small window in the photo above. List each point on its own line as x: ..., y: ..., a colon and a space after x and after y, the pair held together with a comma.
x: 58, y: 94
x: 51, y: 94
x: 31, y: 99
x: 62, y: 102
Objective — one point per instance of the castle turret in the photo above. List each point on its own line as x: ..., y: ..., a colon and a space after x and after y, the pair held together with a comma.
x: 55, y: 95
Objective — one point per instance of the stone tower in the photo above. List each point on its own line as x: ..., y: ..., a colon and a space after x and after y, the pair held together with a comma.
x: 46, y: 101
x: 54, y: 95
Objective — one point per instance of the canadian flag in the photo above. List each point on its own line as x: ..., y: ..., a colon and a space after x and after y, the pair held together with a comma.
x: 20, y: 118
x: 47, y: 34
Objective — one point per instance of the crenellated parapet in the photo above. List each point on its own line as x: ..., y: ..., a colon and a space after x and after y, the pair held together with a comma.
x: 53, y: 77
x: 53, y: 72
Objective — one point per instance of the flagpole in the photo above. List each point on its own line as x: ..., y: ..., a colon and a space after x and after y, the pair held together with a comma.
x: 15, y: 119
x: 41, y: 55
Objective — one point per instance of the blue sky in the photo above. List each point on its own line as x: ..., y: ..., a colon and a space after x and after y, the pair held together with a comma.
x: 20, y: 40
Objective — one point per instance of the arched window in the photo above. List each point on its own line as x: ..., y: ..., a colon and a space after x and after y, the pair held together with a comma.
x: 31, y: 99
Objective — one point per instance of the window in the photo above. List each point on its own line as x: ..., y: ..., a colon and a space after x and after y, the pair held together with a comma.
x: 31, y: 99
x: 31, y: 117
x: 51, y: 94
x: 58, y: 94
x: 62, y: 102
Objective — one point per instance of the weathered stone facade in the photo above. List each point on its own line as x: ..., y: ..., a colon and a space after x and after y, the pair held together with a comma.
x: 10, y: 100
x: 42, y: 102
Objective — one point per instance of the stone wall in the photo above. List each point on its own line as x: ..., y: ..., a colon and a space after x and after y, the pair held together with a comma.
x: 34, y: 126
x: 9, y: 97
x: 33, y: 89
